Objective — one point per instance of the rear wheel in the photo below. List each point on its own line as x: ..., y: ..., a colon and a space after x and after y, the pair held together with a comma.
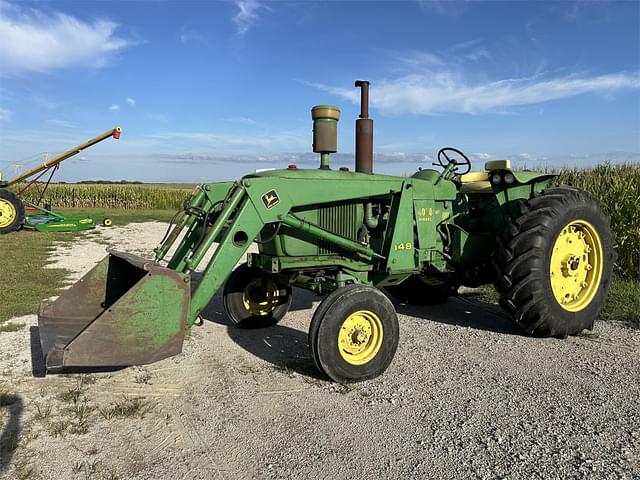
x: 554, y: 262
x: 11, y: 211
x: 415, y: 291
x: 354, y: 334
x: 255, y: 299
x: 107, y: 222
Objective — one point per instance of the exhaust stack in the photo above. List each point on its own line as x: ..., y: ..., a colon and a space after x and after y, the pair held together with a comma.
x: 364, y: 132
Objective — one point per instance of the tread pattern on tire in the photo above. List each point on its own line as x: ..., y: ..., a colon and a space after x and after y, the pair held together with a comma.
x: 522, y: 250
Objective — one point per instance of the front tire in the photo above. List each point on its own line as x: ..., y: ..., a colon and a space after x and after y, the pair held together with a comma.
x: 354, y: 334
x: 11, y: 212
x: 255, y: 299
x: 554, y: 262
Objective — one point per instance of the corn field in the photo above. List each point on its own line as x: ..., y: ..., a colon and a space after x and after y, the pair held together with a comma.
x: 138, y: 196
x: 617, y: 186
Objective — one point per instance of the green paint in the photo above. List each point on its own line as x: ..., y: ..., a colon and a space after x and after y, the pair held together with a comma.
x: 318, y: 229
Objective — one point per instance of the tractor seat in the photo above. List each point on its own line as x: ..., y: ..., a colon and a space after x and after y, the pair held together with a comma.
x: 478, y: 182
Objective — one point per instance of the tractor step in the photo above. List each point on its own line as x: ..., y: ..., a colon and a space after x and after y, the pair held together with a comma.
x: 126, y: 311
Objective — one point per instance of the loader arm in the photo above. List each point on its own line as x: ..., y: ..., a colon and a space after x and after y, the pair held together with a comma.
x: 234, y: 213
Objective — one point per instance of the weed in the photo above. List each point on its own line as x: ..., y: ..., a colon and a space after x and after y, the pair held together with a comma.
x: 142, y: 376
x: 109, y: 475
x: 11, y: 327
x: 127, y: 407
x: 57, y: 428
x: 42, y: 413
x: 88, y: 379
x: 91, y: 468
x: 286, y: 369
x: 73, y: 394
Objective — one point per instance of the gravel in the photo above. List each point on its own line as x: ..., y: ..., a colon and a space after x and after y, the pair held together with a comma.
x: 467, y: 396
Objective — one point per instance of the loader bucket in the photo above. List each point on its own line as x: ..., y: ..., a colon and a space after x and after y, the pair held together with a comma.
x: 125, y: 311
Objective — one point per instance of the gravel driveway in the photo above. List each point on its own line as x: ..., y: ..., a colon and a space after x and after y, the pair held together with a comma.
x: 467, y: 396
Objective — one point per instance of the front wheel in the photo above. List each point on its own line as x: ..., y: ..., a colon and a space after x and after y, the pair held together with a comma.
x: 255, y: 299
x: 554, y: 262
x: 354, y: 334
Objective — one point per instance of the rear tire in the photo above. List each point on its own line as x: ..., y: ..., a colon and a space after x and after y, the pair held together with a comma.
x: 107, y: 222
x: 415, y: 291
x: 354, y: 334
x: 11, y: 212
x: 554, y: 262
x: 255, y: 299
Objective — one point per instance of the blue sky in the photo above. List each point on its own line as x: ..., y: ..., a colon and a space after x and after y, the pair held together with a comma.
x: 212, y: 90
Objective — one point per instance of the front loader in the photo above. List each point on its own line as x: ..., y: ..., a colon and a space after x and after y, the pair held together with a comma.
x: 349, y: 236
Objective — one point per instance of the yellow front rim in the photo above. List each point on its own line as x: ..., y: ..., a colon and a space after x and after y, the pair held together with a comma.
x: 360, y: 337
x: 576, y: 265
x: 7, y: 213
x: 261, y: 298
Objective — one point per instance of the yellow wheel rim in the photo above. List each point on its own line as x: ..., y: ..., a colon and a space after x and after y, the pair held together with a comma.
x: 261, y: 299
x: 576, y: 265
x: 107, y: 222
x: 360, y: 337
x: 7, y: 213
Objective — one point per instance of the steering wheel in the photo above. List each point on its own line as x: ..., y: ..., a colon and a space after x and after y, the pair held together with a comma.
x: 462, y: 159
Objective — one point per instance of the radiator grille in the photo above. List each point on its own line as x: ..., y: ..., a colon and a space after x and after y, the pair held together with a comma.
x: 340, y: 219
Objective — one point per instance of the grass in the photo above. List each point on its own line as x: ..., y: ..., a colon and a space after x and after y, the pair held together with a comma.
x: 622, y: 304
x: 24, y: 284
x: 127, y: 407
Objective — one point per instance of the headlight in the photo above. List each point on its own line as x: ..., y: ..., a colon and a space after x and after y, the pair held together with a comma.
x: 496, y: 178
x: 509, y: 178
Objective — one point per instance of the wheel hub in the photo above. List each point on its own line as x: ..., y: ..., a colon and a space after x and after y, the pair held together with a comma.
x: 7, y: 213
x: 261, y: 297
x: 576, y: 265
x: 360, y: 337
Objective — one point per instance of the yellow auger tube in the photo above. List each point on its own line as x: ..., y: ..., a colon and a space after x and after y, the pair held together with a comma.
x: 114, y: 132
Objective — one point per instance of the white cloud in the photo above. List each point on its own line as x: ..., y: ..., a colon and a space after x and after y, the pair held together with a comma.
x: 247, y: 15
x: 447, y: 92
x: 34, y: 41
x: 114, y: 108
x: 131, y: 101
x: 56, y: 122
x: 4, y: 114
x: 189, y: 35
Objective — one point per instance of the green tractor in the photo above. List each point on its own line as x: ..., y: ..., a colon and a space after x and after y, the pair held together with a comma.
x: 349, y: 236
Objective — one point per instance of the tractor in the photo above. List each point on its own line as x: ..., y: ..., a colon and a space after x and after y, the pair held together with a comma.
x: 355, y: 237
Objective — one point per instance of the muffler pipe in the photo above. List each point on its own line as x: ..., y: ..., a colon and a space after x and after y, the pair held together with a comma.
x: 364, y: 131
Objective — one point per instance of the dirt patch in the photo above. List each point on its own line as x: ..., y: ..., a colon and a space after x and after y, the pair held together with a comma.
x: 466, y: 397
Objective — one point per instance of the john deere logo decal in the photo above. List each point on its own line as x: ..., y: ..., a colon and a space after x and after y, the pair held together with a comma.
x: 270, y: 199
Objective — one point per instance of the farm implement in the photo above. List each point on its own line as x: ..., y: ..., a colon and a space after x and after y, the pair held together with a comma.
x: 16, y: 212
x: 346, y: 235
